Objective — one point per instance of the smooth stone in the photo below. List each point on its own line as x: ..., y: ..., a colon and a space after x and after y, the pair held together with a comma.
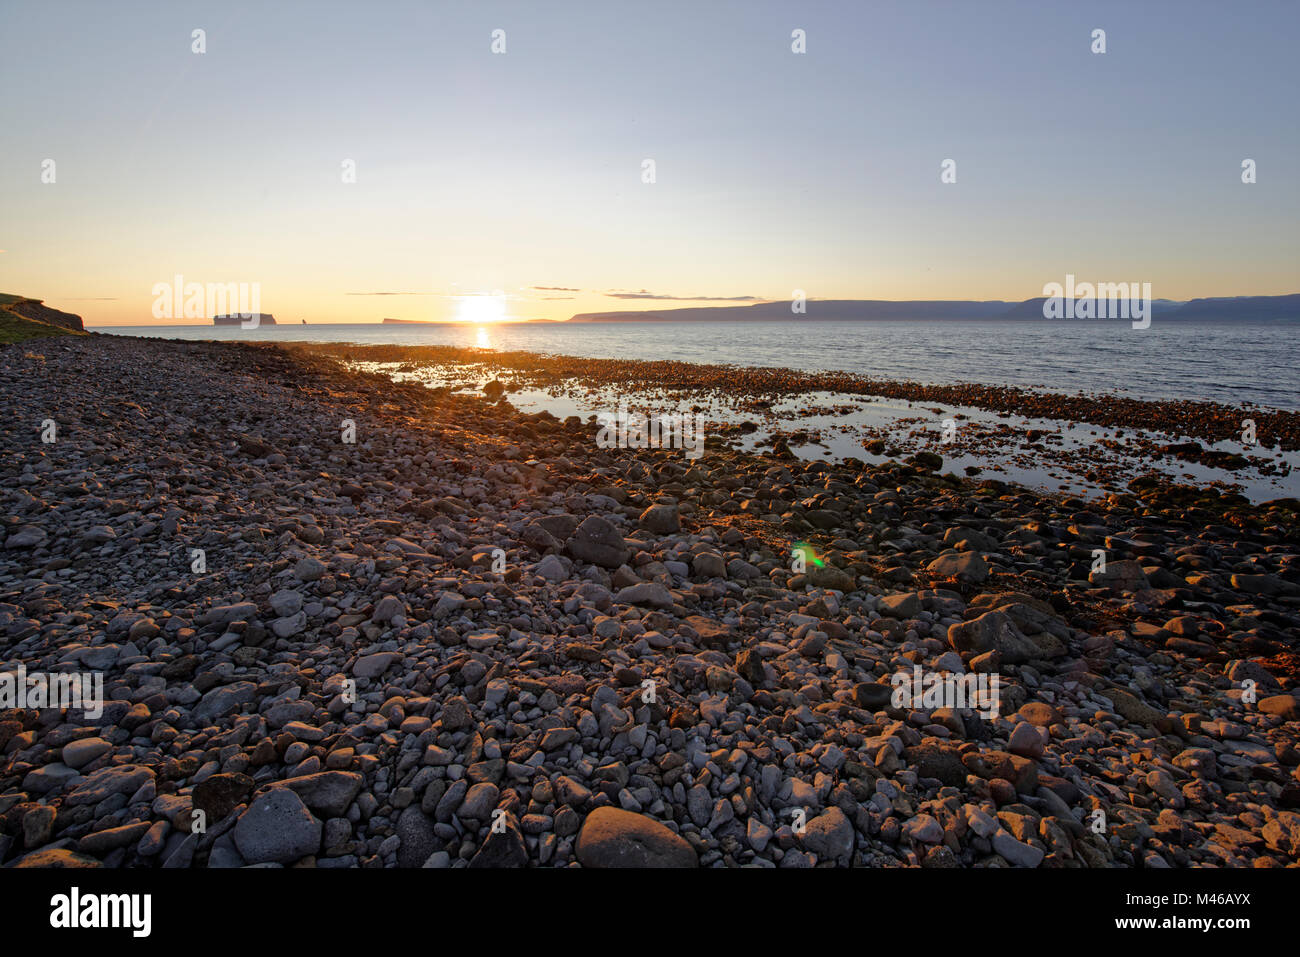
x: 611, y: 837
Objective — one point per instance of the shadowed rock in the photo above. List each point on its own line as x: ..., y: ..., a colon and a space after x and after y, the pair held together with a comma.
x: 598, y: 542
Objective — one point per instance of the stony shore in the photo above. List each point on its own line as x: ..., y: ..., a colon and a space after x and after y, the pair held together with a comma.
x: 760, y: 386
x: 474, y: 638
x: 1088, y: 445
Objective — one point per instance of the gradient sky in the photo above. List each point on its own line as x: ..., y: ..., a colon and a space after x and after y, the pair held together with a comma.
x: 775, y: 171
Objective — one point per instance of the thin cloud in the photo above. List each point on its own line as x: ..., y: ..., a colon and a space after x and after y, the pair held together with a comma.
x: 439, y: 295
x: 647, y: 294
x: 555, y: 288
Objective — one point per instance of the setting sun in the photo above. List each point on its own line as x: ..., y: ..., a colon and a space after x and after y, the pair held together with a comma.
x: 481, y: 309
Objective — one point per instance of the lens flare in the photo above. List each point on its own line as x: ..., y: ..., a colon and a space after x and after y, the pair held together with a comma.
x: 809, y: 554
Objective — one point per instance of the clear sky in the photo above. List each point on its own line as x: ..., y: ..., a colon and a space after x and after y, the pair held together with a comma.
x: 480, y: 173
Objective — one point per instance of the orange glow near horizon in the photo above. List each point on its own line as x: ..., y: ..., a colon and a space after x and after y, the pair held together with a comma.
x: 481, y: 310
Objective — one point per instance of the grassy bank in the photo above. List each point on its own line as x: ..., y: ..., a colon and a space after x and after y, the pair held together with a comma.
x: 17, y: 328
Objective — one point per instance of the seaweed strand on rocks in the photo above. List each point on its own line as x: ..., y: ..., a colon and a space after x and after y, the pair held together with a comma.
x: 1208, y: 421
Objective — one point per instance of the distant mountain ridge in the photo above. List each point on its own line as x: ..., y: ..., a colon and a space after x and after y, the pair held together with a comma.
x: 1226, y: 307
x: 1033, y: 308
x: 1254, y: 307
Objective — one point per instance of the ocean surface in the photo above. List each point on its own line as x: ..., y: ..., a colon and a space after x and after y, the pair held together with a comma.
x: 1229, y: 361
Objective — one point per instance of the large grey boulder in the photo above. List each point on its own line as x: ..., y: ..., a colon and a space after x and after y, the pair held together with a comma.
x: 277, y: 828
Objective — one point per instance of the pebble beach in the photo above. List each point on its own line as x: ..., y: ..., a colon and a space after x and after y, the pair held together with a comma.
x: 345, y: 621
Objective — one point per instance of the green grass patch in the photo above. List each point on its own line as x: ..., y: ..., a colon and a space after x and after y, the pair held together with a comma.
x: 17, y: 329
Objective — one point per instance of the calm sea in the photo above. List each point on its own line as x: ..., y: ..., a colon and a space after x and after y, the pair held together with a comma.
x: 1226, y: 361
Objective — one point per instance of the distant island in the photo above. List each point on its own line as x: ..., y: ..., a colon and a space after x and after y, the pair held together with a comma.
x: 256, y: 318
x: 1223, y: 307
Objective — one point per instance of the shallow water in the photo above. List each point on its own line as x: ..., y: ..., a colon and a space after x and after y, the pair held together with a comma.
x: 1081, y: 459
x: 1224, y: 361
